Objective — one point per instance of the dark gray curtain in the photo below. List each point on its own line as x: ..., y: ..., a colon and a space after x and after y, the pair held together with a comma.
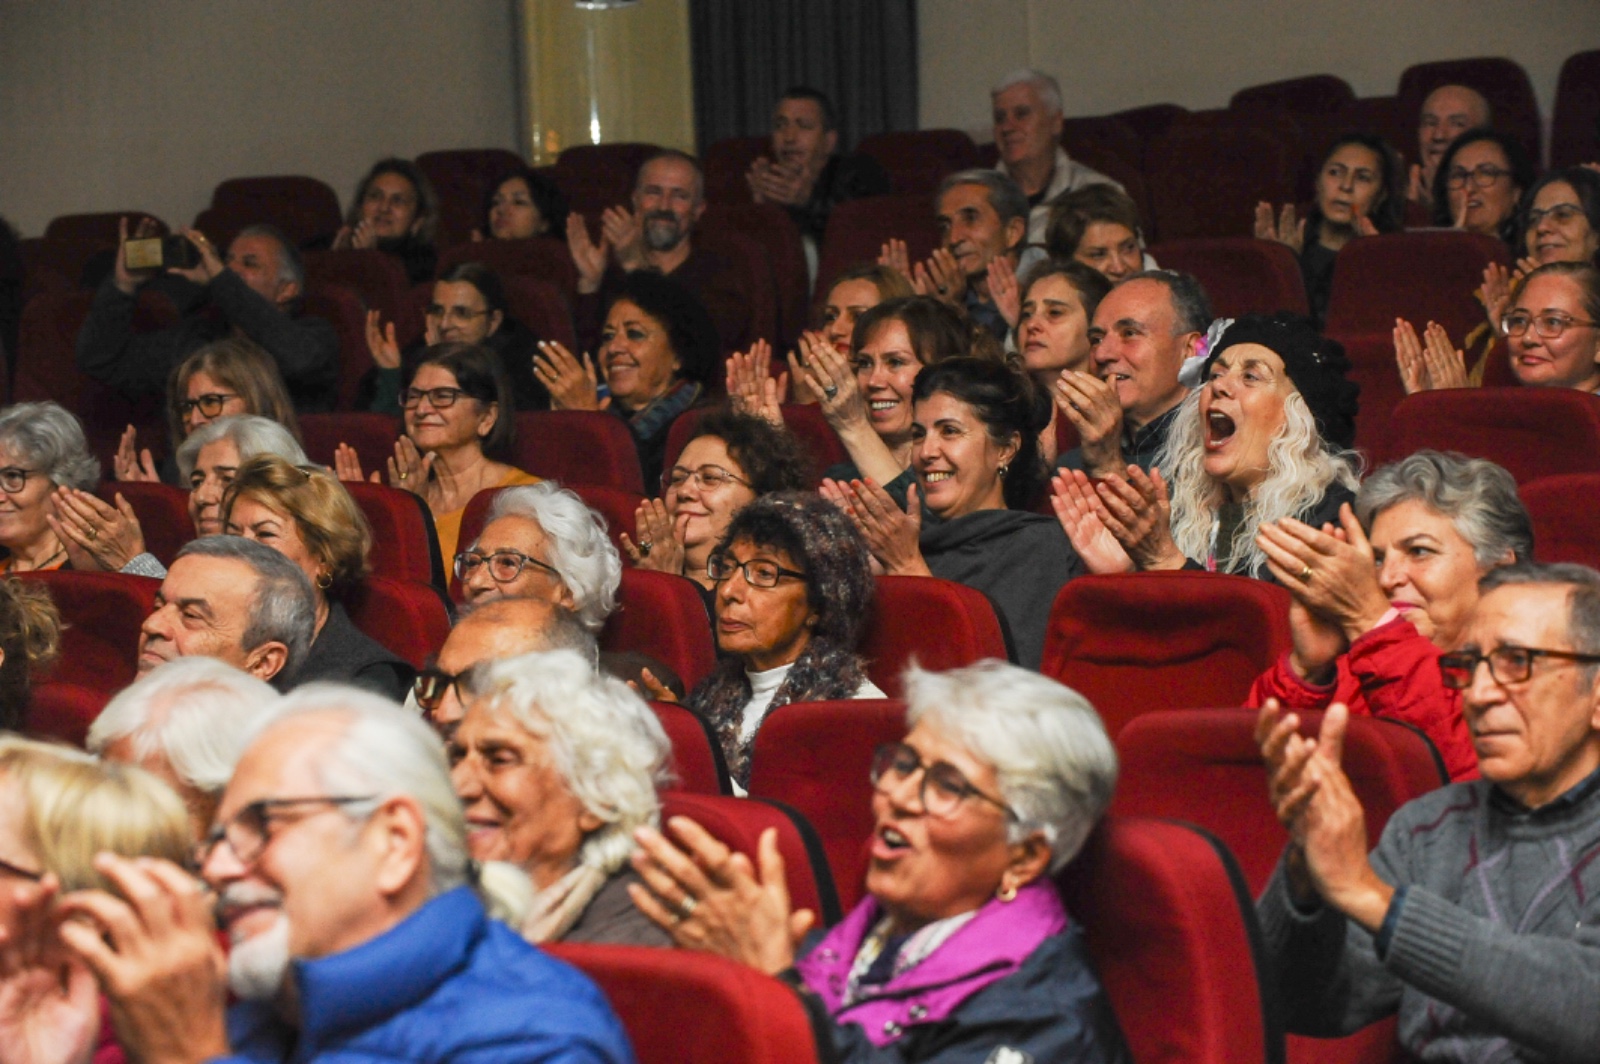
x: 862, y: 53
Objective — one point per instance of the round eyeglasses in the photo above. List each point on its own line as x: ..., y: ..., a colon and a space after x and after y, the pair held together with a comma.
x: 943, y: 787
x: 504, y: 565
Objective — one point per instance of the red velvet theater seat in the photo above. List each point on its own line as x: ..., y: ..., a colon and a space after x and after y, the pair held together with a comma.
x: 1566, y: 521
x: 539, y: 257
x: 538, y: 304
x: 1533, y: 432
x: 377, y: 278
x: 303, y: 207
x: 1207, y: 172
x: 64, y: 711
x: 816, y: 757
x: 858, y: 229
x: 1502, y: 82
x: 1172, y: 934
x: 941, y: 623
x: 406, y: 617
x: 726, y: 162
x: 1575, y: 123
x: 770, y: 226
x: 371, y: 435
x: 101, y: 227
x: 683, y: 1007
x: 662, y: 616
x: 343, y: 307
x: 103, y: 612
x: 578, y: 447
x: 597, y: 176
x: 696, y: 756
x: 162, y: 510
x: 805, y: 420
x: 404, y: 543
x: 1135, y: 643
x: 918, y: 160
x: 738, y: 824
x: 1241, y: 275
x: 1315, y: 94
x: 1422, y: 276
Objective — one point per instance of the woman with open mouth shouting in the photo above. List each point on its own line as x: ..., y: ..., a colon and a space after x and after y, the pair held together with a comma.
x: 1266, y: 437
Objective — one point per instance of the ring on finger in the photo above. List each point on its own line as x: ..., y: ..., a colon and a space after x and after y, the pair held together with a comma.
x: 832, y: 391
x: 687, y: 906
x: 1305, y: 575
x: 644, y: 547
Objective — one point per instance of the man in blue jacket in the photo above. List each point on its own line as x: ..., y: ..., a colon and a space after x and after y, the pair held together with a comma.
x: 358, y: 927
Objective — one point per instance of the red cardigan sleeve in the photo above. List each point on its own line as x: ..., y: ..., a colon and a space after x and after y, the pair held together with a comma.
x: 1397, y: 670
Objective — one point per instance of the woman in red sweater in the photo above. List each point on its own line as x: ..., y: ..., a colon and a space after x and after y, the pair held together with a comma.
x: 1376, y: 601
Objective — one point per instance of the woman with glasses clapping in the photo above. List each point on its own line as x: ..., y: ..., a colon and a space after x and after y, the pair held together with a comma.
x: 458, y: 434
x: 730, y: 461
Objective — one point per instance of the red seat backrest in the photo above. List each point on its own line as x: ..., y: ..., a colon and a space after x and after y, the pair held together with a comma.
x: 377, y: 278
x: 597, y: 176
x: 404, y: 543
x: 1206, y: 173
x: 64, y: 711
x: 1566, y: 522
x: 738, y: 824
x: 578, y: 447
x: 1204, y: 766
x: 941, y: 623
x: 1533, y: 432
x: 696, y: 755
x: 541, y: 257
x: 858, y: 229
x: 162, y: 510
x: 684, y: 1007
x: 1422, y: 276
x: 817, y: 757
x: 100, y: 227
x: 372, y: 436
x: 917, y: 160
x: 1172, y: 932
x: 1240, y: 274
x: 1315, y: 94
x: 1102, y: 134
x: 342, y: 306
x: 461, y: 179
x: 663, y: 616
x: 1139, y: 642
x: 408, y: 618
x: 770, y: 225
x: 537, y: 304
x: 805, y: 420
x: 1502, y: 82
x: 102, y: 614
x: 1575, y: 121
x: 726, y: 162
x: 757, y: 286
x: 305, y: 208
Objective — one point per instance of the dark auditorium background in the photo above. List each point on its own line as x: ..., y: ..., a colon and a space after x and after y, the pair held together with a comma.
x: 111, y: 104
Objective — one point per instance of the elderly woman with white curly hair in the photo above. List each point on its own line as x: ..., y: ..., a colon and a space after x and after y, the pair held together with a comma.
x: 961, y: 948
x: 557, y: 766
x: 42, y: 447
x: 542, y: 541
x: 1265, y: 437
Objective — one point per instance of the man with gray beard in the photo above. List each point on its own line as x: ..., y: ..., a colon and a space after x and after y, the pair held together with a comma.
x: 359, y: 926
x: 668, y: 202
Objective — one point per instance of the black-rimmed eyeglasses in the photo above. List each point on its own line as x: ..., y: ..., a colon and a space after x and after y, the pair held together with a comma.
x: 1506, y: 664
x: 248, y: 831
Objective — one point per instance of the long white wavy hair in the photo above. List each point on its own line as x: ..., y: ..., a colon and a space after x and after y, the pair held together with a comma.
x: 1301, y: 469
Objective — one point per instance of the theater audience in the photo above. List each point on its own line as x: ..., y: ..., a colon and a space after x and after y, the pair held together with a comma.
x: 1374, y: 608
x: 338, y: 861
x: 656, y: 357
x: 1448, y: 112
x: 1059, y: 300
x: 976, y: 458
x: 556, y: 767
x: 867, y: 400
x: 62, y: 809
x: 1494, y: 961
x: 228, y: 598
x: 658, y: 234
x: 256, y: 293
x: 961, y: 949
x: 30, y: 643
x: 226, y: 377
x: 1266, y: 437
x: 1143, y: 333
x: 1358, y: 194
x: 468, y: 307
x: 305, y: 514
x: 1480, y: 179
x: 793, y: 589
x: 730, y: 460
x: 185, y: 722
x: 1559, y: 218
x: 493, y: 631
x: 521, y: 205
x: 459, y: 436
x: 41, y: 449
x: 1027, y: 132
x: 395, y: 211
x: 1098, y: 225
x: 542, y: 541
x: 807, y: 175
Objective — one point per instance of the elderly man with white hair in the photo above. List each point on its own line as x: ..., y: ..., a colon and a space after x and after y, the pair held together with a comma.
x: 359, y: 926
x: 186, y: 722
x: 556, y: 766
x: 1027, y: 131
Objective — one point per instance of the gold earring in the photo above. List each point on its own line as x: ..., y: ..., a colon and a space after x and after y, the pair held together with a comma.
x: 1007, y: 892
x: 324, y: 579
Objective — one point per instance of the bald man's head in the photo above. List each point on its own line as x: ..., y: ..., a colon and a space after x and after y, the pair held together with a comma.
x: 1448, y: 112
x: 504, y: 628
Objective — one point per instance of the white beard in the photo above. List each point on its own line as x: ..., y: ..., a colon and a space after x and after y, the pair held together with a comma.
x: 258, y: 966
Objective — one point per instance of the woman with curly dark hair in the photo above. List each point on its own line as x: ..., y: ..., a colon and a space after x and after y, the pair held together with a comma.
x: 730, y: 461
x: 794, y: 586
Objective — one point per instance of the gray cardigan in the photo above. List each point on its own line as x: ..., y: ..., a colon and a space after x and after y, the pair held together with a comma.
x: 1491, y: 950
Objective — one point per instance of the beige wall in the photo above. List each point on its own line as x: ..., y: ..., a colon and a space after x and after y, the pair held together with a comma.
x: 147, y: 104
x: 1114, y: 54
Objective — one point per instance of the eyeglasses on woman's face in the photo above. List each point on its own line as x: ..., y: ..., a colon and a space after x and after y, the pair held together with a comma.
x: 1481, y: 176
x: 1548, y: 325
x: 943, y: 788
x: 758, y: 572
x: 438, y: 398
x: 504, y: 565
x: 709, y: 477
x: 209, y: 404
